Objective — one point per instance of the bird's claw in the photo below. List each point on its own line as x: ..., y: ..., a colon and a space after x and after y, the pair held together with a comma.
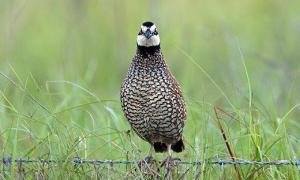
x: 149, y: 160
x: 149, y: 167
x: 170, y: 162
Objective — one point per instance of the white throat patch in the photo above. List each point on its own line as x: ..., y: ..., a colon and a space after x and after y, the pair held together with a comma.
x: 152, y: 41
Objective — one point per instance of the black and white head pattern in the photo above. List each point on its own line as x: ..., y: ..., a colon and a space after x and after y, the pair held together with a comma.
x: 148, y: 35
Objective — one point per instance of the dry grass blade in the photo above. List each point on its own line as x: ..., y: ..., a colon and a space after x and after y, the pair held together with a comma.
x: 229, y: 148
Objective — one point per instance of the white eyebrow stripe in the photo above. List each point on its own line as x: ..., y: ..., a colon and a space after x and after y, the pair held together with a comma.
x: 144, y: 28
x: 152, y: 28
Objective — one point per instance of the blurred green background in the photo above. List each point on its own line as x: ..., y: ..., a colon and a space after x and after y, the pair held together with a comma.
x: 67, y: 56
x: 92, y: 43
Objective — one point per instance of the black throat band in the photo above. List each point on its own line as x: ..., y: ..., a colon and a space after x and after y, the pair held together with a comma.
x: 148, y: 50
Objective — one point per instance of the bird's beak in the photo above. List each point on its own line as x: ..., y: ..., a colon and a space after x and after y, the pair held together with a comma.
x: 148, y: 34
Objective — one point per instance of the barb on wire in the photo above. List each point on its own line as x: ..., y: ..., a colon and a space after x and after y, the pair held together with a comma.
x: 6, y: 167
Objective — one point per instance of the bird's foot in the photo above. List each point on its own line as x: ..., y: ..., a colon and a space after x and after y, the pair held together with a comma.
x: 149, y: 167
x: 170, y: 165
x: 169, y: 162
x: 148, y: 161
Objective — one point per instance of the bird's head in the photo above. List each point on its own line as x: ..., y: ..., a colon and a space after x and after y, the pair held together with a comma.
x: 148, y: 35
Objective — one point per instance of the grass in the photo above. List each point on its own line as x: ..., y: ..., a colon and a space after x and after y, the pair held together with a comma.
x: 62, y: 63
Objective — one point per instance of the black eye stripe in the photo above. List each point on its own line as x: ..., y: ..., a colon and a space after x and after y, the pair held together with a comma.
x: 141, y: 32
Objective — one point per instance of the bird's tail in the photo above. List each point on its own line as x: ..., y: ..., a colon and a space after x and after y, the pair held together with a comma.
x: 178, y: 146
x: 162, y: 147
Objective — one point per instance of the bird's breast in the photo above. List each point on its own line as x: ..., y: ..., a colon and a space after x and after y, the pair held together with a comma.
x: 151, y: 103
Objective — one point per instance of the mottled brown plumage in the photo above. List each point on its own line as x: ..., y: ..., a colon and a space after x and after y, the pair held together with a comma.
x: 152, y: 100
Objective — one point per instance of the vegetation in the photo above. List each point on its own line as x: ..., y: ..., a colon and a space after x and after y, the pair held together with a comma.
x: 62, y: 63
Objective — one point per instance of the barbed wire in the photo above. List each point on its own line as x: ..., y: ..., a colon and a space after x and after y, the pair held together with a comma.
x: 8, y: 163
x: 78, y: 161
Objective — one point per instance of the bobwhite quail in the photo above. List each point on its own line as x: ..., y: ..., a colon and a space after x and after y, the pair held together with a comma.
x: 151, y: 98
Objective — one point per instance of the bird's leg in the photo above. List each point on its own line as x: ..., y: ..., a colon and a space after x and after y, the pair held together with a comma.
x: 170, y: 163
x: 167, y: 163
x: 169, y: 159
x: 169, y: 150
x: 149, y: 158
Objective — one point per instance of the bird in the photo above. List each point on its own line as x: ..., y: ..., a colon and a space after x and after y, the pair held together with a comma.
x: 151, y: 98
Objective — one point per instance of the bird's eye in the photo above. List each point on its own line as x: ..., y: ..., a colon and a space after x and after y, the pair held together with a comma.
x: 155, y: 32
x: 141, y: 32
